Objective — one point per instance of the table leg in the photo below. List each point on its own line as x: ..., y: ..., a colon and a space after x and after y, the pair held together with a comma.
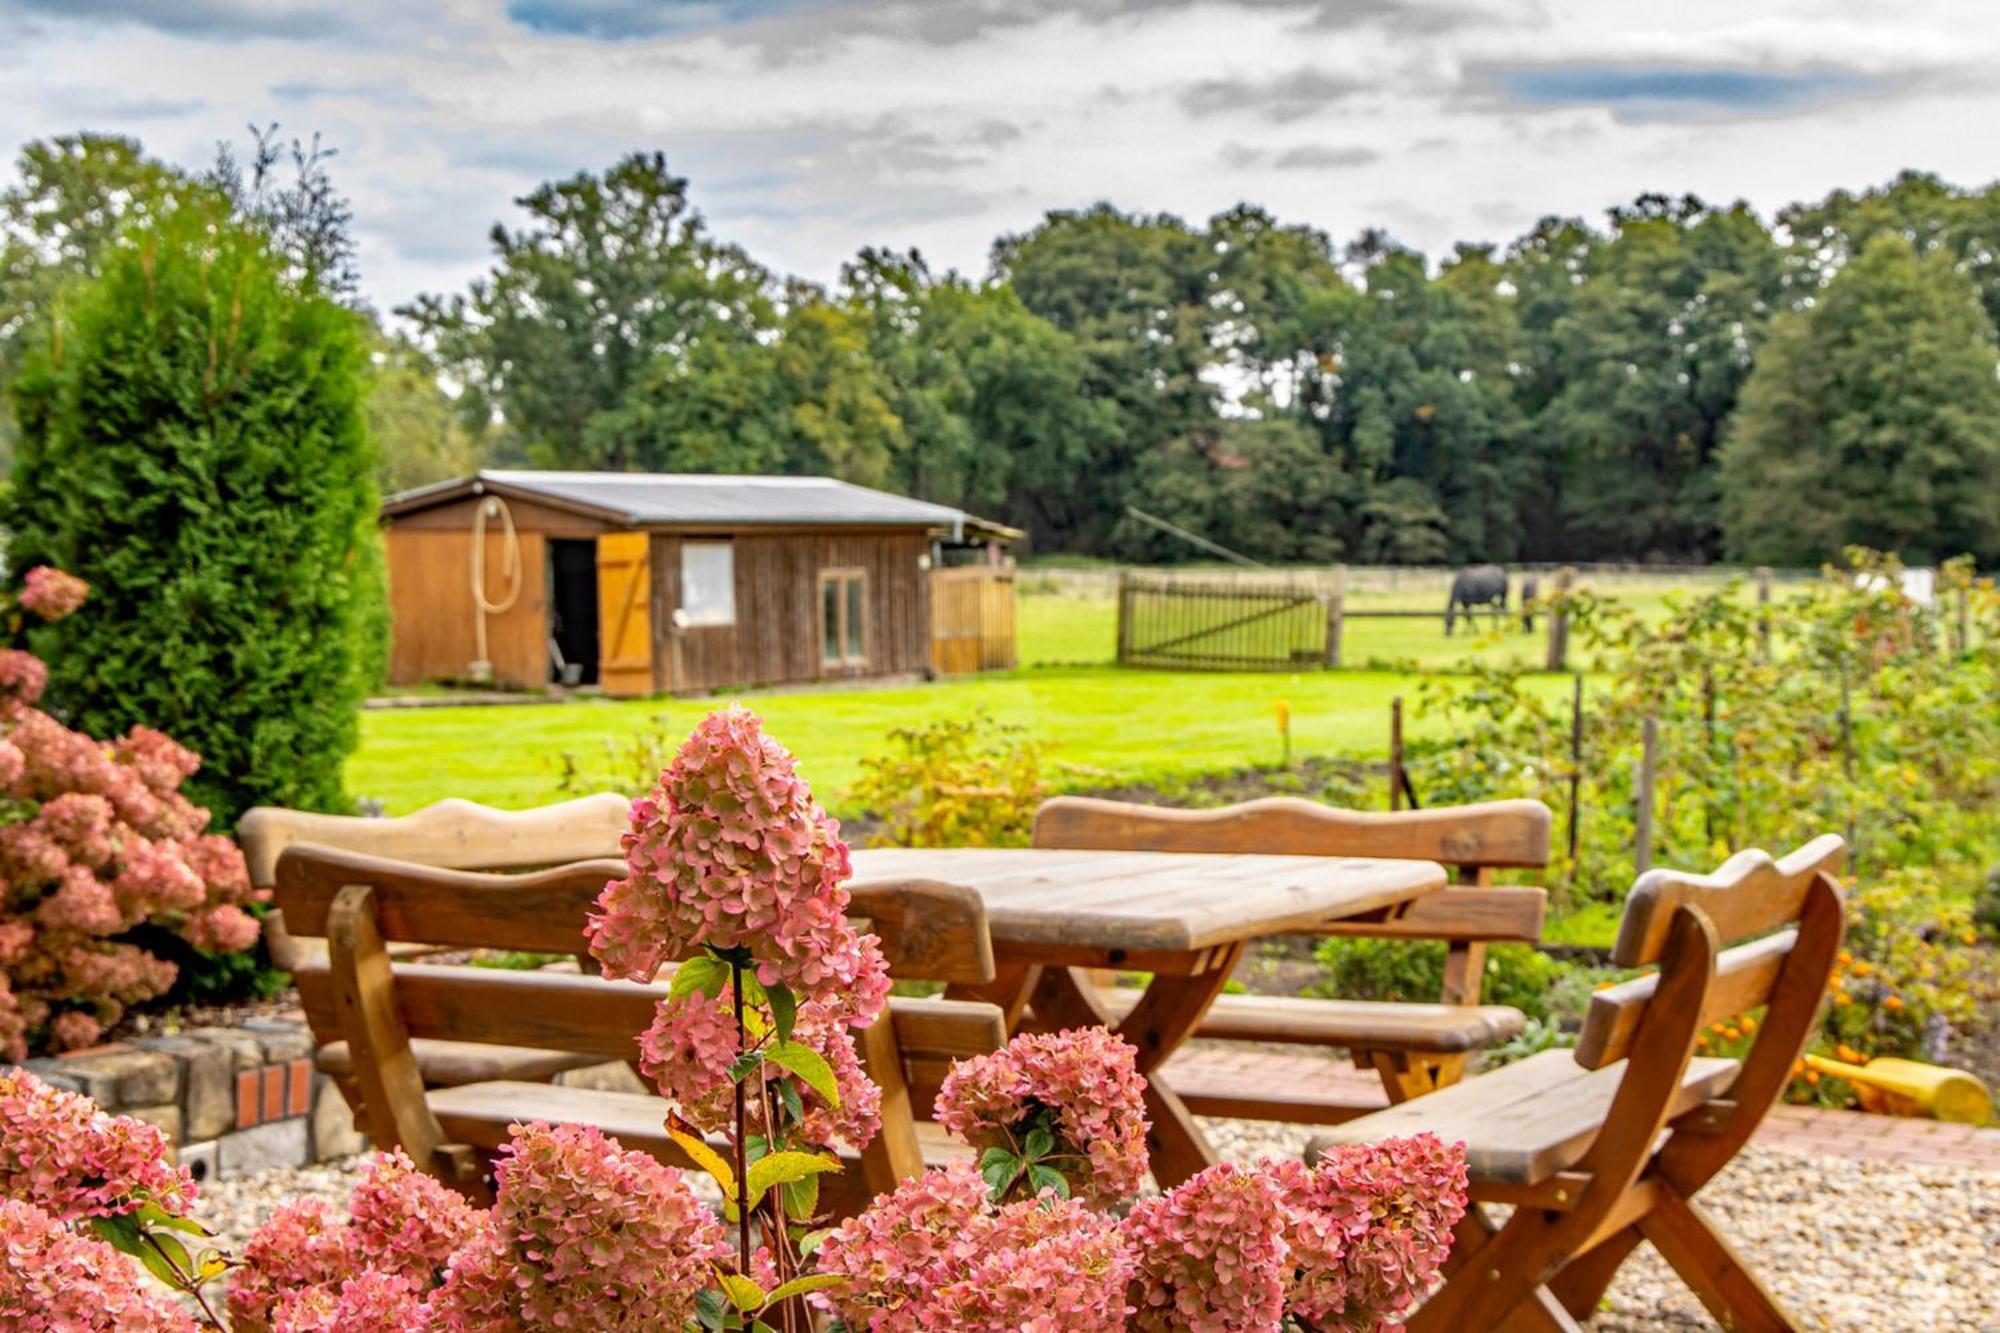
x: 1166, y: 1015
x: 1010, y: 988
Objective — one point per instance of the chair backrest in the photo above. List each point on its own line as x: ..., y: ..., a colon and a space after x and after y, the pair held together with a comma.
x: 455, y: 834
x: 1751, y: 897
x: 1783, y: 920
x: 1475, y: 839
x: 928, y: 931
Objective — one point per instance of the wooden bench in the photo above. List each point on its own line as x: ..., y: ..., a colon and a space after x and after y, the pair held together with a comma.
x: 1599, y: 1148
x: 1415, y: 1048
x: 381, y: 1008
x: 453, y: 834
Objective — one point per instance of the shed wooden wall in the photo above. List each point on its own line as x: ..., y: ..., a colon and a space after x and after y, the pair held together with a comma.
x: 776, y: 637
x: 432, y: 631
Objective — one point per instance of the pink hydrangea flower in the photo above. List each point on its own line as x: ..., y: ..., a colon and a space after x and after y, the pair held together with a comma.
x: 23, y: 677
x: 300, y: 1247
x: 731, y: 850
x: 223, y: 929
x: 52, y: 594
x: 82, y: 903
x: 373, y: 1301
x: 581, y: 1232
x: 13, y: 1024
x: 1046, y: 1266
x: 1368, y: 1228
x: 934, y: 1255
x: 1087, y: 1076
x: 907, y: 1243
x: 405, y: 1222
x: 53, y: 1280
x: 1211, y: 1255
x: 61, y: 1153
x: 74, y: 1030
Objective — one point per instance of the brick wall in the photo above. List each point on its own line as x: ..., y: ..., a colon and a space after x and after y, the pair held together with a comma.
x: 233, y: 1099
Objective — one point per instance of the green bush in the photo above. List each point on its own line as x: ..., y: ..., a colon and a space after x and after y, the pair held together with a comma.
x: 1413, y: 972
x: 954, y: 782
x: 193, y: 444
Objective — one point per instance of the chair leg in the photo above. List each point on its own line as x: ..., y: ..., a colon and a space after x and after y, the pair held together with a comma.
x: 1685, y: 1237
x: 1584, y: 1280
x: 1498, y: 1284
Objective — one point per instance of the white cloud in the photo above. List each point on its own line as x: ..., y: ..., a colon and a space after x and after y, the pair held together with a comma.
x: 827, y: 125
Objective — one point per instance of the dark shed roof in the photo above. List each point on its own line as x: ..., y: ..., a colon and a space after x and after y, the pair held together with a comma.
x: 654, y: 499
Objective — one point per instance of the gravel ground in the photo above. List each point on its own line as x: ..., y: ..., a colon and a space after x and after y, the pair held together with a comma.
x: 1873, y: 1246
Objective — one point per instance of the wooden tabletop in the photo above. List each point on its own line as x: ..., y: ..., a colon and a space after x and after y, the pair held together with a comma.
x: 1154, y: 901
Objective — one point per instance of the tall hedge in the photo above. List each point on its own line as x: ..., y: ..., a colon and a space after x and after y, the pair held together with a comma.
x: 194, y: 444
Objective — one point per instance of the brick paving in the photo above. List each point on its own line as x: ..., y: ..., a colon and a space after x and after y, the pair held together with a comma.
x: 1849, y: 1134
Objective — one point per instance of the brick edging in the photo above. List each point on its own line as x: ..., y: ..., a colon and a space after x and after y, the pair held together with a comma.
x: 231, y: 1100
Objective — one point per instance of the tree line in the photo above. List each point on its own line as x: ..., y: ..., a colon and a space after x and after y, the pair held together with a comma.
x: 1683, y: 381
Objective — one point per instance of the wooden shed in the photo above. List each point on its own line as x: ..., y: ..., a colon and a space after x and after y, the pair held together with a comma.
x: 648, y: 583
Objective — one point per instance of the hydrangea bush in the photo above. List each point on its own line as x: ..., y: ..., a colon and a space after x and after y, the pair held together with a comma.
x: 754, y: 1042
x: 96, y: 839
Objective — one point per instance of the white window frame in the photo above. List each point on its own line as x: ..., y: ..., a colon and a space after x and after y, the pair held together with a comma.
x: 718, y: 608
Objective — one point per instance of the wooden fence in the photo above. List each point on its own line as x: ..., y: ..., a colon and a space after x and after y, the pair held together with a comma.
x: 1225, y: 625
x: 972, y: 619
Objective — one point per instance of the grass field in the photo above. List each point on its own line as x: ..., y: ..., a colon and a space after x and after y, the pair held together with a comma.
x: 1134, y: 726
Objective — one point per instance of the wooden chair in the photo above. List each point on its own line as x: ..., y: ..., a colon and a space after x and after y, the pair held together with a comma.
x: 454, y: 834
x: 381, y: 1009
x: 1415, y: 1048
x: 1599, y: 1148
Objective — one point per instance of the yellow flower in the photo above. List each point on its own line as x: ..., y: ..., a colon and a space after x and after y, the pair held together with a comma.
x: 1893, y: 1003
x: 1968, y: 937
x: 1734, y: 1034
x: 1812, y: 1077
x: 1862, y: 969
x: 1749, y: 1023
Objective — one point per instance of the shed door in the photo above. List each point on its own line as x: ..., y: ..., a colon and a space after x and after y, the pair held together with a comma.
x: 624, y: 613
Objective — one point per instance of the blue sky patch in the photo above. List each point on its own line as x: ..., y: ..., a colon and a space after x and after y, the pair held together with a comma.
x: 1676, y: 92
x: 620, y: 20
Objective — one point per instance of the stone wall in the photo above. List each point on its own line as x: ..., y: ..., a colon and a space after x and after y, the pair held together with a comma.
x: 233, y: 1099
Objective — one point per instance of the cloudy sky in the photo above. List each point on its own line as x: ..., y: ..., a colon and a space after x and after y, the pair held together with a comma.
x: 812, y: 127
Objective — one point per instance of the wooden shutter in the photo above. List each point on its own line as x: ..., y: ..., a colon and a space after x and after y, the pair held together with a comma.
x: 624, y: 613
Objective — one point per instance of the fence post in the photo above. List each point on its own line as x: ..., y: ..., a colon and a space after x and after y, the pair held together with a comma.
x: 1396, y: 753
x: 1649, y: 759
x: 1558, y: 659
x: 1124, y: 617
x: 1575, y: 769
x: 1764, y: 607
x: 1336, y: 611
x: 1964, y: 618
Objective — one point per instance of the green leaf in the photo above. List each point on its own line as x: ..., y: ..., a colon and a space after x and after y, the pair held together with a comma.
x: 168, y: 1260
x: 743, y: 1293
x: 1039, y: 1144
x: 121, y: 1233
x: 745, y: 1064
x: 152, y: 1215
x: 781, y: 1168
x: 1047, y: 1178
x: 784, y: 1009
x: 799, y: 1286
x: 811, y: 1241
x: 999, y: 1167
x: 710, y: 1307
x: 789, y: 1099
x: 801, y: 1197
x: 705, y: 974
x: 809, y: 1065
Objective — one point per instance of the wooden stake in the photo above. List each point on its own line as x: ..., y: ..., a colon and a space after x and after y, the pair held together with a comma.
x: 1558, y: 657
x: 1649, y: 756
x: 1575, y: 768
x: 1396, y: 753
x: 1336, y: 611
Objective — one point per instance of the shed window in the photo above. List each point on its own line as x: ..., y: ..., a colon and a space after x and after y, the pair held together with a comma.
x: 708, y: 583
x: 843, y: 617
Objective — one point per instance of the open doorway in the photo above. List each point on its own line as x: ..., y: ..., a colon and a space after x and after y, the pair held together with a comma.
x: 573, y: 611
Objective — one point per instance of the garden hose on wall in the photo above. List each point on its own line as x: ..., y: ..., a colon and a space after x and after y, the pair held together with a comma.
x: 510, y: 570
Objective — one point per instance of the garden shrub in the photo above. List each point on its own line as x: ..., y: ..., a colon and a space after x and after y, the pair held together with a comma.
x: 100, y: 856
x: 1413, y: 972
x: 955, y: 782
x: 193, y: 443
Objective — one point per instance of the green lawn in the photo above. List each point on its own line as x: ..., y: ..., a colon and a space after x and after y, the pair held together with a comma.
x: 1131, y: 725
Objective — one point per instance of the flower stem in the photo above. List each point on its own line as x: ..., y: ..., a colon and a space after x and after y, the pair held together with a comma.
x: 742, y: 1129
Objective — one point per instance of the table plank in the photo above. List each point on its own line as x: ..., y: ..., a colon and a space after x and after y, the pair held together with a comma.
x: 1153, y: 901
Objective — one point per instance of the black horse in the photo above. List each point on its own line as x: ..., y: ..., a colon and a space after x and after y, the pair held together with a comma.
x: 1474, y: 586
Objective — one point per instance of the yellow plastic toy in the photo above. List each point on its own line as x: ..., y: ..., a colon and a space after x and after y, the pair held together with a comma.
x: 1910, y: 1087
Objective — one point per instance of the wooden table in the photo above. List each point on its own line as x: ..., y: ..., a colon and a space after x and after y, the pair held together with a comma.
x: 1184, y: 917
